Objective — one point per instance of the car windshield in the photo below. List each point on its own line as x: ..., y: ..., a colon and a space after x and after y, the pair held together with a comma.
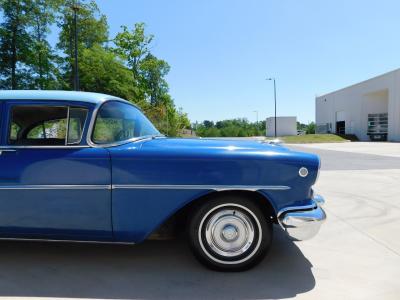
x: 118, y: 122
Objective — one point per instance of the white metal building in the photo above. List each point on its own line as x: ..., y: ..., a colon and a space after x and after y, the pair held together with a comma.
x: 284, y: 126
x: 369, y: 109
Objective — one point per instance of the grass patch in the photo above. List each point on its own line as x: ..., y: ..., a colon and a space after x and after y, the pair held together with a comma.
x: 312, y: 138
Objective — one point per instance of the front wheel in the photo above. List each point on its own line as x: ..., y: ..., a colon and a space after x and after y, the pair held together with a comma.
x: 230, y: 233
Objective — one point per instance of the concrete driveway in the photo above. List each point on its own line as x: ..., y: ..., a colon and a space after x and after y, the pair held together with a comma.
x: 355, y: 256
x: 357, y: 253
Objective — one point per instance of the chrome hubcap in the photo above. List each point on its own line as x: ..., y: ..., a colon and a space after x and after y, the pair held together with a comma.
x: 229, y: 232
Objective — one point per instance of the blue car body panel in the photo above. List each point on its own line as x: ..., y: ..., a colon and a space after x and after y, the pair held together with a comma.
x: 151, y: 175
x: 125, y: 192
x: 66, y: 210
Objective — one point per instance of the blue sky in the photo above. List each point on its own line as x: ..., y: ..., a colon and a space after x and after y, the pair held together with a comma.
x: 221, y: 51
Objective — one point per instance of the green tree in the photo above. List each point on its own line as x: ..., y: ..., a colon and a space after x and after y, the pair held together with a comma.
x: 310, y: 128
x: 208, y: 132
x: 152, y: 78
x: 210, y: 124
x: 43, y: 58
x: 166, y: 117
x: 92, y: 29
x: 148, y: 73
x: 133, y: 46
x: 15, y: 43
x: 230, y: 131
x: 128, y: 69
x: 230, y: 128
x: 102, y: 71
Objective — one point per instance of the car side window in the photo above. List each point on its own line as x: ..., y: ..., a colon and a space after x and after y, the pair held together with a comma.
x: 77, y: 119
x: 14, y: 130
x: 37, y: 125
x: 53, y: 129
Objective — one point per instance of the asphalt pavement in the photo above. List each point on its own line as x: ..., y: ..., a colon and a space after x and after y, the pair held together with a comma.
x: 345, y: 160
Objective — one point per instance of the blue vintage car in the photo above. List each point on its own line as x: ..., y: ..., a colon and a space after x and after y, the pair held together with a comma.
x: 91, y: 167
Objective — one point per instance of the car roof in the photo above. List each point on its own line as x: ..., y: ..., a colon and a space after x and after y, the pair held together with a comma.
x: 94, y: 98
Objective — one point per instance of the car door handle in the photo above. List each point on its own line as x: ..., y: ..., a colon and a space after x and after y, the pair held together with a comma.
x: 7, y: 150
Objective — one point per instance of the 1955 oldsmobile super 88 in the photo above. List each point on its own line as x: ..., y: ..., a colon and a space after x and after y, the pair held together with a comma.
x: 90, y: 167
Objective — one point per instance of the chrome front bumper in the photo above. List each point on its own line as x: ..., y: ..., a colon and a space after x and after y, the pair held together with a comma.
x: 303, y: 222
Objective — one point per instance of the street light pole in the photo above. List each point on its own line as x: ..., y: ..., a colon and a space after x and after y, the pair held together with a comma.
x: 274, y: 101
x: 256, y: 111
x: 75, y: 8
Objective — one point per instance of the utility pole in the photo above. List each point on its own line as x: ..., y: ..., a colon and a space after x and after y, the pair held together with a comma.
x: 75, y: 8
x: 274, y: 101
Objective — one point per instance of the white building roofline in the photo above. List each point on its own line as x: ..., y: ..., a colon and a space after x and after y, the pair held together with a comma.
x: 358, y: 83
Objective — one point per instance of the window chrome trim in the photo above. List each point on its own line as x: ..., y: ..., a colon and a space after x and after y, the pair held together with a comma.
x: 84, y: 125
x: 201, y: 187
x: 66, y: 146
x: 10, y: 119
x: 89, y: 131
x: 135, y: 139
x: 67, y: 129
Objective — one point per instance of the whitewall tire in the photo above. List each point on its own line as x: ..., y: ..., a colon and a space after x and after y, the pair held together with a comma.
x: 229, y: 233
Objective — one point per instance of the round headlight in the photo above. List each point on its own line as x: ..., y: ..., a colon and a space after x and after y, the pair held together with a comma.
x: 303, y: 172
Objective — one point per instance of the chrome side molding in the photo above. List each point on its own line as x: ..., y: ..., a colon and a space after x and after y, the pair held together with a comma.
x: 201, y: 187
x: 56, y: 187
x: 63, y: 241
x: 218, y: 188
x: 7, y: 150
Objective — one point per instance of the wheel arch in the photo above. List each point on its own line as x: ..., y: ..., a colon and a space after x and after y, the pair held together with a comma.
x: 177, y: 222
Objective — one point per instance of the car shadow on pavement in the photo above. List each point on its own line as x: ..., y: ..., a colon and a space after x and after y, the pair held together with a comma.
x: 152, y: 270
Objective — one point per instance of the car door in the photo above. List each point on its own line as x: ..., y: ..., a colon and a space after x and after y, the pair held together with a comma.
x: 52, y: 185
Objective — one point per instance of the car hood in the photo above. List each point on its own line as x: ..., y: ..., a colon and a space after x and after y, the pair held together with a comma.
x: 201, y: 145
x: 228, y: 149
